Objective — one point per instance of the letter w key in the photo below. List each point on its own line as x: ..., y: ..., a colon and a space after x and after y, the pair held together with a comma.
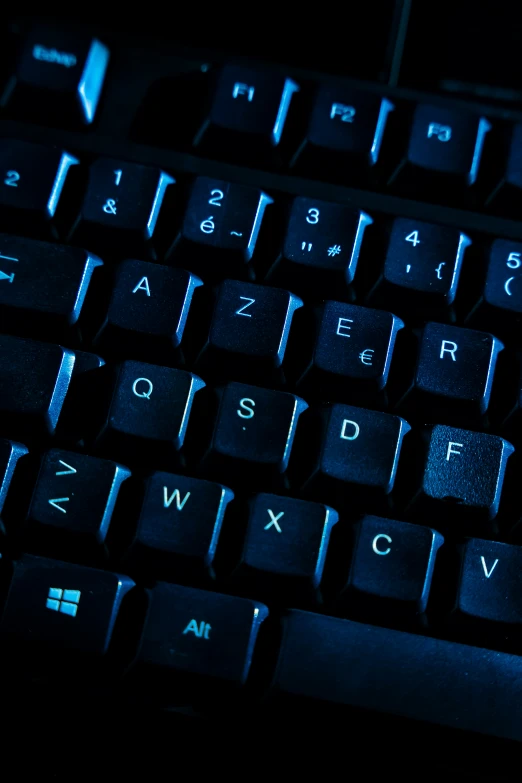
x: 176, y: 495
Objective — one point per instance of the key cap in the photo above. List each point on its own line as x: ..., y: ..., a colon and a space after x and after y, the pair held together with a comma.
x: 58, y: 78
x: 149, y: 412
x: 32, y: 179
x: 285, y: 547
x: 345, y: 132
x: 321, y: 247
x: 73, y: 503
x: 81, y: 407
x: 195, y: 638
x: 10, y: 453
x: 409, y: 675
x: 506, y: 198
x: 444, y: 151
x: 358, y: 456
x: 454, y: 373
x: 462, y: 470
x: 253, y: 434
x: 179, y: 525
x: 59, y: 615
x: 247, y: 115
x: 43, y: 286
x: 34, y: 378
x: 121, y: 207
x: 249, y: 333
x: 421, y: 269
x: 147, y: 312
x: 500, y: 301
x: 490, y: 585
x: 221, y: 227
x: 353, y: 352
x: 392, y: 567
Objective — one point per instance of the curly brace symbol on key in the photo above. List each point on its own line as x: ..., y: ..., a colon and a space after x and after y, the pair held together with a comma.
x: 110, y: 206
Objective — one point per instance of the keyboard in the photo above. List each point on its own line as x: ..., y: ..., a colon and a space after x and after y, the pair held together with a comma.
x: 260, y: 386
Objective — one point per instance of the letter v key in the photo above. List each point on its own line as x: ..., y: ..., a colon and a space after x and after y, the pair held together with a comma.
x: 484, y: 566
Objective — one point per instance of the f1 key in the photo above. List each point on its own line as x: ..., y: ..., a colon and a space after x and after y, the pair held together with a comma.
x: 248, y: 113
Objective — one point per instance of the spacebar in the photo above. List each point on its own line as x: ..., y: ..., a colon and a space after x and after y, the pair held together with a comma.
x: 400, y: 673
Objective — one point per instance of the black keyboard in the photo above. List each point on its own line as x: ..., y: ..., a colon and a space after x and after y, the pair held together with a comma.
x: 260, y: 384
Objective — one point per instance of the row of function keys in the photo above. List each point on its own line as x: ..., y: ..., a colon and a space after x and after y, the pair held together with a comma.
x: 159, y: 417
x: 258, y: 116
x: 273, y: 547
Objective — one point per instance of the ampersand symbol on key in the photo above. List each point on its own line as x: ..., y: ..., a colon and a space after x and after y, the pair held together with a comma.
x: 110, y: 206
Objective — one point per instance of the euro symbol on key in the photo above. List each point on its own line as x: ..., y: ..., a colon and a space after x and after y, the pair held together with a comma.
x: 365, y: 356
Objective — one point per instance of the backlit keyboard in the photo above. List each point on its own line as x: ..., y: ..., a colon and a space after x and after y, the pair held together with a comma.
x: 260, y: 384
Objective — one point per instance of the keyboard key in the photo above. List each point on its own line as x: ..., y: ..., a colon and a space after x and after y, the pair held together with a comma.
x: 149, y: 411
x: 10, y: 453
x: 444, y: 151
x: 121, y: 207
x: 148, y: 311
x: 73, y: 502
x: 463, y: 471
x: 454, y: 373
x: 43, y: 286
x: 344, y: 134
x: 500, y: 305
x: 34, y: 378
x: 490, y: 584
x: 437, y: 681
x: 32, y: 178
x: 321, y: 247
x: 358, y: 457
x: 179, y: 525
x: 193, y: 636
x: 58, y: 78
x: 353, y: 344
x: 254, y: 434
x: 249, y: 332
x: 506, y: 198
x: 285, y: 547
x: 421, y: 269
x: 81, y: 406
x: 57, y: 614
x: 248, y: 113
x: 221, y: 226
x: 392, y: 567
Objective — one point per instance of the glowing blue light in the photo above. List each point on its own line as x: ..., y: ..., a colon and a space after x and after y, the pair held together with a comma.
x: 91, y: 82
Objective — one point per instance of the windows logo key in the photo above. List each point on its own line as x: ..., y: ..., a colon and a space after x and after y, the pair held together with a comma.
x: 64, y: 601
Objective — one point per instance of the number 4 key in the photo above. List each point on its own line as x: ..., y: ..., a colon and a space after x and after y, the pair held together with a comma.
x: 421, y: 270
